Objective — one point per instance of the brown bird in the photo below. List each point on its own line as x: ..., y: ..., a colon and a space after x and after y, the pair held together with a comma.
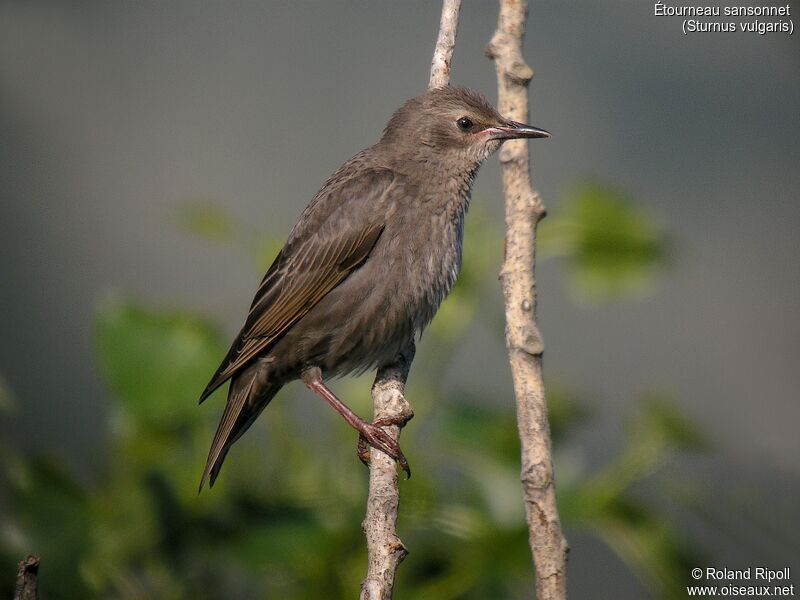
x: 367, y: 265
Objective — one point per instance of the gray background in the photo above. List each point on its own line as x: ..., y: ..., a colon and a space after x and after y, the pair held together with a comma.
x: 113, y: 115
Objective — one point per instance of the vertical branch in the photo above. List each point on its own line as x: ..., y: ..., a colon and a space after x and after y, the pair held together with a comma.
x: 524, y: 209
x: 445, y: 44
x: 385, y: 550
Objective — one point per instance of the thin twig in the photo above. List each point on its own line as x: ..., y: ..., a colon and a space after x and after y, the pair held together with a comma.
x: 524, y: 209
x: 445, y: 43
x: 385, y: 551
x: 27, y: 587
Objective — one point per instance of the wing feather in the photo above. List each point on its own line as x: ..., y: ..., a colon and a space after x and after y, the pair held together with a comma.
x: 334, y: 237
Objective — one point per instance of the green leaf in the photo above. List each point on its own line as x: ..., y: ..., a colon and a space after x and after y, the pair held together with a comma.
x: 156, y: 363
x: 471, y: 425
x: 612, y: 247
x: 661, y: 419
x: 207, y: 220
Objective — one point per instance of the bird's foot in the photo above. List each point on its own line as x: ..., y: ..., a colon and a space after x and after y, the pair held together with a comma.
x: 373, y: 435
x: 369, y: 433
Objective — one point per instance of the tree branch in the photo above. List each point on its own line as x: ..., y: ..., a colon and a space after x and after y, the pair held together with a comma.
x: 524, y: 209
x: 27, y: 587
x: 385, y: 550
x: 445, y: 44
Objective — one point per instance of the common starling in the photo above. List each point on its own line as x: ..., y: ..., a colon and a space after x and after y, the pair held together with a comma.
x: 367, y: 265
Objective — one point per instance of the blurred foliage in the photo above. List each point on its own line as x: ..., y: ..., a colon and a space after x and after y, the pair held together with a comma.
x: 149, y: 357
x: 284, y: 520
x: 612, y: 247
x: 207, y: 220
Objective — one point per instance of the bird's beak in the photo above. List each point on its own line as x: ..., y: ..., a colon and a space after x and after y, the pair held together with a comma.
x: 511, y: 130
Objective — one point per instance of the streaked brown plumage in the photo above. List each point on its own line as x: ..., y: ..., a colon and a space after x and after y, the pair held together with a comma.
x: 367, y: 265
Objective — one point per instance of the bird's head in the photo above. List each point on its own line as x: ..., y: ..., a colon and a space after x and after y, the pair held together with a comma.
x: 452, y: 123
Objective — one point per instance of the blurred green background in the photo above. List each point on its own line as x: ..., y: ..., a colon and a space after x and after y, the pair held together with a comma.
x: 155, y: 156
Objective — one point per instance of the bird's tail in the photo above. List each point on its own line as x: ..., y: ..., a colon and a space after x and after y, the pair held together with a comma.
x: 249, y: 394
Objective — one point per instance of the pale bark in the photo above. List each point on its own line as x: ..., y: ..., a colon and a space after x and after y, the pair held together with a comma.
x: 385, y: 550
x: 524, y: 209
x: 445, y: 43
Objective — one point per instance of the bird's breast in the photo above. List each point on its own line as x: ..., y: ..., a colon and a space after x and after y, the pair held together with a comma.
x: 367, y: 319
x: 431, y: 249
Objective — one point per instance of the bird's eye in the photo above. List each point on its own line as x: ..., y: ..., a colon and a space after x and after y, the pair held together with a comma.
x: 464, y: 124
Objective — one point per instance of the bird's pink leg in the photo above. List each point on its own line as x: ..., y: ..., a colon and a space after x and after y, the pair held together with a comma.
x: 371, y: 432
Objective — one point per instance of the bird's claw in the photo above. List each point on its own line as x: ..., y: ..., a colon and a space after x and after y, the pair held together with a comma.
x: 373, y: 435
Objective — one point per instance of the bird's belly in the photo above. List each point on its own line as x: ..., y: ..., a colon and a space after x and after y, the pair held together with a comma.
x: 360, y: 324
x: 368, y: 319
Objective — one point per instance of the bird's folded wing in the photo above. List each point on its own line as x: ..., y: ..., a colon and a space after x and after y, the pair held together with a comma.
x: 333, y: 238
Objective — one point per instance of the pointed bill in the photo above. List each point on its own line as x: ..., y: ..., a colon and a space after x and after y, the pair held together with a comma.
x: 512, y: 130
